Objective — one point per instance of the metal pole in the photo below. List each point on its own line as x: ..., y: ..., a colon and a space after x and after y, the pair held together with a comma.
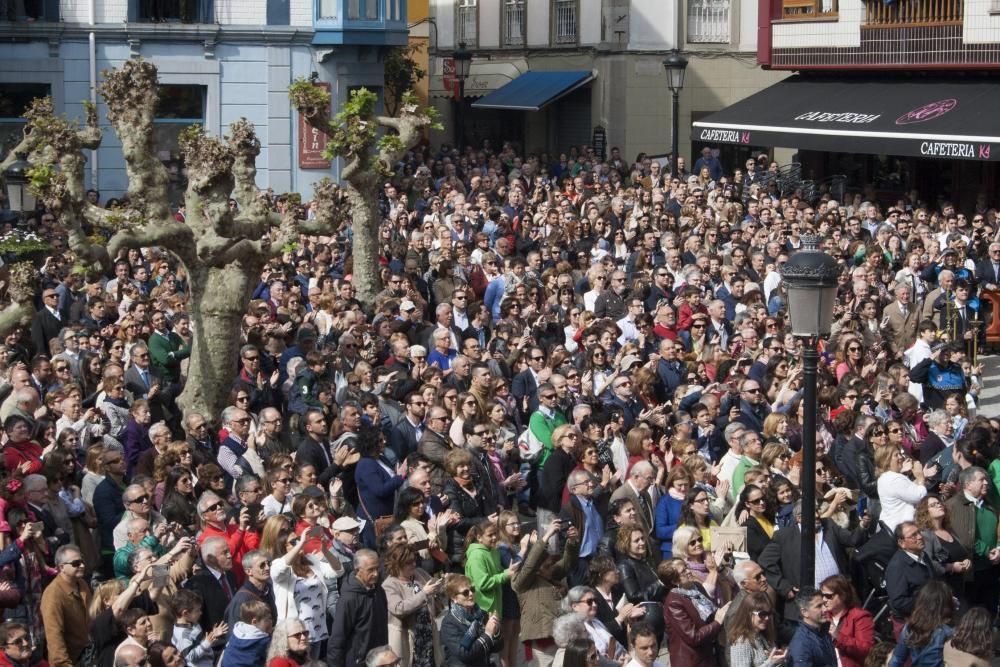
x: 810, y: 357
x: 675, y: 124
x: 460, y: 115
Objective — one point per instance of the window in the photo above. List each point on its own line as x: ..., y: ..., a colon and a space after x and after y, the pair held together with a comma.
x: 708, y: 21
x: 163, y: 11
x: 808, y: 9
x: 14, y: 101
x: 328, y: 9
x: 467, y: 22
x: 513, y: 22
x: 564, y: 21
x: 177, y: 107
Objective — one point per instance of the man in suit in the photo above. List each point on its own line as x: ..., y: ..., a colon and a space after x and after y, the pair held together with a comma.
x: 971, y: 511
x: 907, y: 572
x: 142, y: 380
x: 524, y: 386
x: 166, y: 348
x: 47, y: 322
x: 581, y: 512
x: 231, y: 450
x: 900, y: 320
x: 435, y: 445
x: 314, y: 450
x: 216, y: 582
x: 719, y: 328
x: 781, y: 558
x: 988, y: 271
x: 936, y: 298
x: 36, y: 495
x: 406, y: 434
x: 636, y: 490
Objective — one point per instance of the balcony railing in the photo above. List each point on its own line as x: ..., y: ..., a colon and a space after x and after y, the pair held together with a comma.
x: 565, y: 22
x: 708, y: 21
x: 467, y: 22
x: 913, y: 13
x: 514, y: 14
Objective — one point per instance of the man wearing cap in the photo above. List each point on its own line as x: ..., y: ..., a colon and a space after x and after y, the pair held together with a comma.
x: 346, y: 541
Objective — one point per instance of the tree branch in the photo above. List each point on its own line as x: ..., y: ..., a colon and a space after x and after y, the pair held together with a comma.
x: 15, y: 315
x: 168, y: 233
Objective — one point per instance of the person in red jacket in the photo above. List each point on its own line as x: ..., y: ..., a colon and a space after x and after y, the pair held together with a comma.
x: 16, y: 646
x: 240, y: 538
x: 852, y: 627
x: 22, y: 455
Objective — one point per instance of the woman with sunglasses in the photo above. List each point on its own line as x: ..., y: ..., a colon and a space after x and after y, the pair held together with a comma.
x: 851, y: 625
x: 466, y: 409
x: 289, y: 644
x: 468, y: 635
x: 752, y: 635
x: 711, y: 569
x: 412, y: 597
x: 760, y: 522
x: 693, y: 620
x: 639, y: 580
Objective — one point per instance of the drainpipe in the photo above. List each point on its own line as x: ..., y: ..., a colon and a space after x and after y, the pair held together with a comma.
x: 92, y: 43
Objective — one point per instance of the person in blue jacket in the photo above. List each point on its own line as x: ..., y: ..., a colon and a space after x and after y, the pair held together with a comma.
x: 668, y: 509
x: 250, y: 639
x: 812, y: 644
x: 927, y: 629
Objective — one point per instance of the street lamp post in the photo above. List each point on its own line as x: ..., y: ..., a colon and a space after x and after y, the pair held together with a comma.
x: 810, y: 278
x: 675, y: 64
x: 463, y: 63
x: 15, y: 177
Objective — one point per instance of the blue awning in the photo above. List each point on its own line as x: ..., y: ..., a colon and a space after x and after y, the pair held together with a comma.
x: 533, y: 90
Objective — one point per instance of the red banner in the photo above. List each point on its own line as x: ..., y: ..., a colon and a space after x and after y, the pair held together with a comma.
x: 449, y: 78
x: 312, y: 143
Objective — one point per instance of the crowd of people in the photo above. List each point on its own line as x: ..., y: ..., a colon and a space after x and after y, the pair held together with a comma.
x: 567, y: 431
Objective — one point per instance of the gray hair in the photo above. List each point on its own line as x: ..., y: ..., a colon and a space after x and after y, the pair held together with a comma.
x: 227, y: 414
x: 207, y: 498
x: 969, y: 474
x: 371, y: 659
x: 36, y: 481
x: 361, y: 556
x: 682, y: 537
x: 568, y: 627
x: 157, y: 429
x: 577, y: 477
x: 210, y: 547
x: 641, y: 469
x: 251, y: 558
x: 741, y: 571
x: 732, y: 429
x: 936, y: 418
x: 279, y: 637
x: 574, y: 595
x: 61, y: 553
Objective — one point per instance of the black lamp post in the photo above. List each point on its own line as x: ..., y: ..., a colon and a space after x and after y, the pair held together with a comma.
x: 810, y: 278
x: 16, y: 178
x: 463, y: 63
x: 675, y: 64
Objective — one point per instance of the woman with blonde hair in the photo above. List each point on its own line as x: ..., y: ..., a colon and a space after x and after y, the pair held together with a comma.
x: 775, y: 426
x: 413, y: 605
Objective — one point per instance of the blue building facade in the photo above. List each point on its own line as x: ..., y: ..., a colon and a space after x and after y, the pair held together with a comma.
x: 218, y: 61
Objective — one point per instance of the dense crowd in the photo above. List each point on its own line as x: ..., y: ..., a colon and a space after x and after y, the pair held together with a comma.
x: 566, y: 432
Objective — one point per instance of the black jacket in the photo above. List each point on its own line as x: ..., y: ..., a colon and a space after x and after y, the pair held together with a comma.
x: 781, y: 558
x: 360, y: 624
x: 248, y: 593
x: 640, y: 583
x: 464, y: 639
x: 213, y: 597
x: 471, y: 512
x: 555, y: 473
x: 856, y: 461
x: 904, y: 577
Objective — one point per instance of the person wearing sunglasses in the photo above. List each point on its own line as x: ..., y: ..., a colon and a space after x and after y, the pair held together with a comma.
x: 468, y: 635
x: 812, y: 643
x: 752, y: 634
x: 64, y: 606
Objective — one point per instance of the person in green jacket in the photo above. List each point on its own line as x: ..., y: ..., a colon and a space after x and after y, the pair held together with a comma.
x: 482, y: 566
x: 544, y: 421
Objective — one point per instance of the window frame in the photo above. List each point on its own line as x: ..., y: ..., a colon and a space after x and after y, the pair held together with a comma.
x: 461, y: 8
x: 554, y: 27
x: 505, y: 8
x: 814, y: 15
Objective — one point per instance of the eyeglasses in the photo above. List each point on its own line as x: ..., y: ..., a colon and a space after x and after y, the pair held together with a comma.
x: 895, y: 430
x: 854, y: 349
x: 253, y: 358
x: 756, y: 501
x: 467, y: 591
x: 304, y: 634
x: 752, y: 390
x: 538, y: 358
x: 762, y: 614
x: 140, y: 499
x: 214, y: 506
x: 548, y: 397
x: 592, y: 602
x: 20, y: 641
x: 75, y: 563
x: 828, y: 596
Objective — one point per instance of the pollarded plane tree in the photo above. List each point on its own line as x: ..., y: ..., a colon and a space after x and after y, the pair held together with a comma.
x: 371, y: 146
x: 222, y: 251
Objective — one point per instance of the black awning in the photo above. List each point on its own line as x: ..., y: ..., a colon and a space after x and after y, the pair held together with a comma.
x: 956, y: 119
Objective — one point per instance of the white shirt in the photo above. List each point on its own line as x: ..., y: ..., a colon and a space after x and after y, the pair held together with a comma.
x: 899, y: 496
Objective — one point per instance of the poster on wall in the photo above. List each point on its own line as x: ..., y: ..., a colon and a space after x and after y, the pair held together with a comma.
x: 312, y: 142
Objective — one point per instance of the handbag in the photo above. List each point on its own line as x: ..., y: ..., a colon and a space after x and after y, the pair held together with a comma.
x: 380, y: 523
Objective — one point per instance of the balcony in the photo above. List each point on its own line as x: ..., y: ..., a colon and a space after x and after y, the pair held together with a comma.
x: 913, y: 13
x: 360, y: 22
x: 708, y: 21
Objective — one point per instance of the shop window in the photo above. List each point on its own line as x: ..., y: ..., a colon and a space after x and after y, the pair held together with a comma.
x: 808, y: 9
x: 178, y: 107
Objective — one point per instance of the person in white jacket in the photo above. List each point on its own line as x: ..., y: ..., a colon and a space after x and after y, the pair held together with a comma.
x: 899, y: 494
x: 305, y: 586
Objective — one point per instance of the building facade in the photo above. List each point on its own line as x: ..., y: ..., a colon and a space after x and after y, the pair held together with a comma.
x: 616, y: 47
x: 218, y: 61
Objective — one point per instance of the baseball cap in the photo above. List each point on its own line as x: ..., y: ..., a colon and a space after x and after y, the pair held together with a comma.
x: 345, y: 523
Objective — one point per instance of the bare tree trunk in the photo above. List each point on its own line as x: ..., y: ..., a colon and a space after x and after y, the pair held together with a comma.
x: 218, y: 302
